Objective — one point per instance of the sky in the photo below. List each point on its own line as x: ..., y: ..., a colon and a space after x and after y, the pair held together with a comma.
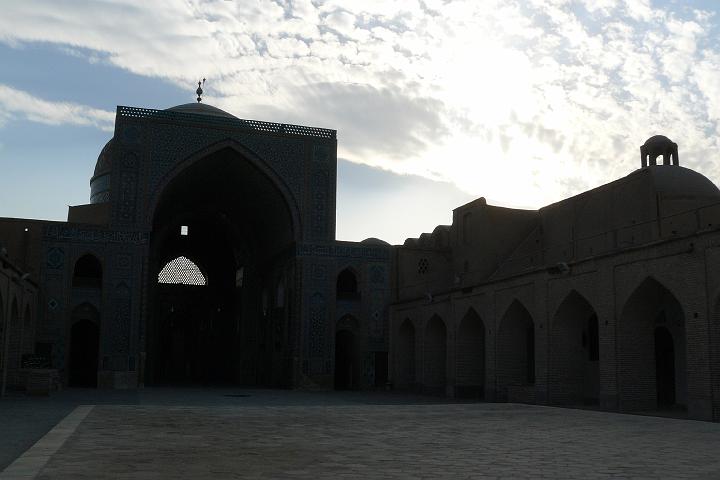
x: 436, y: 102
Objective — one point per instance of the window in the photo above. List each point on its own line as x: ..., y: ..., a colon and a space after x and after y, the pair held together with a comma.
x: 183, y: 230
x: 181, y: 271
x: 423, y: 266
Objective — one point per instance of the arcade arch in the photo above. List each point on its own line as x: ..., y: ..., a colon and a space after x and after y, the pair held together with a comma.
x: 574, y: 353
x: 651, y: 349
x: 470, y: 356
x: 516, y: 348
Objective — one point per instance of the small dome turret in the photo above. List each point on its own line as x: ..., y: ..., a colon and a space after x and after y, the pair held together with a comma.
x: 659, y: 146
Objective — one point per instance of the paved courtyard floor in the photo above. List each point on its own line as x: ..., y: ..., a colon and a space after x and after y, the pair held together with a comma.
x: 273, y: 434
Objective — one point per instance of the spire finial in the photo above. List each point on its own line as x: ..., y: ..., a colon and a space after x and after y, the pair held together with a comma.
x: 199, y: 90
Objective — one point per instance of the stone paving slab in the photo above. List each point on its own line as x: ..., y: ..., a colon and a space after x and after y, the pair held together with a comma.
x: 382, y: 441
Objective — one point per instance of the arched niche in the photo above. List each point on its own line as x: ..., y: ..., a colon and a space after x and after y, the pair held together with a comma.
x: 470, y: 356
x: 574, y: 353
x: 435, y: 356
x: 652, y: 350
x: 87, y: 272
x: 347, y: 285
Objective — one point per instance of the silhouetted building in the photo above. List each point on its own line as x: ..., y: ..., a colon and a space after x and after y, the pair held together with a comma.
x: 207, y: 255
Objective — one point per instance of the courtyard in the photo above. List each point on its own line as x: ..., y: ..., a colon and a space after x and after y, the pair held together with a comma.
x: 235, y: 433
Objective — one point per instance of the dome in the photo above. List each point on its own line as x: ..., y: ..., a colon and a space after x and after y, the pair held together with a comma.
x: 199, y: 108
x: 672, y: 181
x: 104, y: 161
x: 658, y: 141
x: 374, y: 241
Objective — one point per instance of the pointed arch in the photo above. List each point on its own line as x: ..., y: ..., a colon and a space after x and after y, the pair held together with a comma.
x: 470, y: 356
x: 246, y: 154
x: 405, y: 355
x: 435, y: 356
x: 515, y: 348
x: 574, y: 370
x: 651, y: 369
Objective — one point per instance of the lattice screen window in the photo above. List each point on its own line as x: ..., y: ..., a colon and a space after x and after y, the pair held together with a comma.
x: 181, y: 271
x: 423, y: 266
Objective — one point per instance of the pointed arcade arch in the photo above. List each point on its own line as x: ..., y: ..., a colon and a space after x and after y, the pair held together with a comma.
x: 435, y: 353
x: 574, y: 353
x: 515, y: 349
x: 651, y: 349
x: 470, y: 357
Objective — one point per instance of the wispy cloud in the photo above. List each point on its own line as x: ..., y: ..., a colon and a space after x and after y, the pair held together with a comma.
x: 19, y: 104
x: 515, y: 100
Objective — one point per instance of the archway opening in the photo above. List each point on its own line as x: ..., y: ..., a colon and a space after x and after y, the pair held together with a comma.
x: 516, y: 354
x: 435, y: 364
x: 346, y: 361
x: 84, y: 347
x: 574, y: 353
x: 405, y: 356
x: 470, y: 357
x: 651, y: 350
x: 220, y: 236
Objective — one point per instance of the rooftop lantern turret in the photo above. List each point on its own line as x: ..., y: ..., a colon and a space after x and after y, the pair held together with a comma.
x: 656, y: 146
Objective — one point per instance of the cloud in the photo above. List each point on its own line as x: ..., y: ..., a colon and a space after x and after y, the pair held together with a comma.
x: 19, y: 104
x: 522, y: 101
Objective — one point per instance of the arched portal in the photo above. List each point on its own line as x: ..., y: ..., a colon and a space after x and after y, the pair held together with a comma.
x: 84, y: 346
x: 574, y: 353
x: 435, y: 356
x: 651, y: 350
x: 405, y: 356
x: 516, y: 349
x: 470, y: 356
x: 223, y: 226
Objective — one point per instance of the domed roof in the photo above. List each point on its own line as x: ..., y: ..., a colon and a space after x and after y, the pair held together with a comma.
x: 658, y: 140
x: 199, y: 108
x: 673, y: 181
x: 104, y: 161
x: 374, y: 241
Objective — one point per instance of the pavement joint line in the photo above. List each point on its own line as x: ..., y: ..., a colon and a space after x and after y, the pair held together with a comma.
x: 30, y: 463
